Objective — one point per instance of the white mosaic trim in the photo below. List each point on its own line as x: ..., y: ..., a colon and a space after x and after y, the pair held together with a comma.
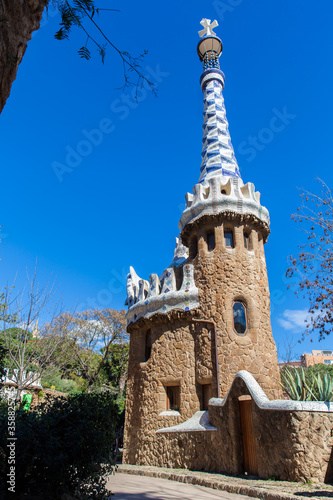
x: 198, y: 423
x: 264, y: 403
x: 169, y: 413
x: 146, y: 298
x: 207, y: 199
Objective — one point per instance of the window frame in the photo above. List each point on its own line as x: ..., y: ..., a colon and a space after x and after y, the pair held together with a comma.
x: 193, y: 245
x: 246, y: 317
x: 229, y: 230
x: 206, y: 394
x: 210, y: 234
x: 247, y: 241
x: 175, y: 390
x: 148, y: 346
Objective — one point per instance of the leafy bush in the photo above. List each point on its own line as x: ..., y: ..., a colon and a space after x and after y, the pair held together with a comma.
x: 65, y: 447
x: 307, y: 384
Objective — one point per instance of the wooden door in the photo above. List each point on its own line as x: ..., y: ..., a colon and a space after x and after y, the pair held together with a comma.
x: 249, y: 442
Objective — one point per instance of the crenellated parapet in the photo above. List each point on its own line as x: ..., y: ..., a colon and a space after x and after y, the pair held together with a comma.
x: 174, y: 289
x: 218, y: 194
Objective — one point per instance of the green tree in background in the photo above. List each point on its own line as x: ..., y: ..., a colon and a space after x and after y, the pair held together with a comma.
x: 93, y: 334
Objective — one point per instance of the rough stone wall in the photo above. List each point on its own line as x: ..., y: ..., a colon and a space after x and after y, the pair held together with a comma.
x: 228, y: 274
x: 176, y: 359
x: 290, y: 445
x: 19, y: 18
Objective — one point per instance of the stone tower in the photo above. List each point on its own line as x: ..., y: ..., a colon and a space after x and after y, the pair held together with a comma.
x: 208, y: 315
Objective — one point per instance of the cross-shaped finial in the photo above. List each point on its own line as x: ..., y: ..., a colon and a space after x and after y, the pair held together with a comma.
x: 208, y: 27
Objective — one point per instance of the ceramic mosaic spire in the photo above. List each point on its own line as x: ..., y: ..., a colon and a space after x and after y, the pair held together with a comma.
x: 220, y: 188
x: 218, y: 156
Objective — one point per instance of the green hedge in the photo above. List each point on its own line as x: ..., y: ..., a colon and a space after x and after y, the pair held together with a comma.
x: 65, y: 447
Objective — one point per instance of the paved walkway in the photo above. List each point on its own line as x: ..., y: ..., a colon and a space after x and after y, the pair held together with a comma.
x: 215, y: 485
x: 130, y: 487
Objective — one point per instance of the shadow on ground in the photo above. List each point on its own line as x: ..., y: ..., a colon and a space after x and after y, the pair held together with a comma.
x: 314, y: 494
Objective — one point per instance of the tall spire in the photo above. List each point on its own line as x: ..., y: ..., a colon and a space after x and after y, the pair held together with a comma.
x: 220, y: 189
x: 218, y: 156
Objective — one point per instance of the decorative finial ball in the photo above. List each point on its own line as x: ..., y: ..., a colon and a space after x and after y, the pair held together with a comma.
x: 210, y: 46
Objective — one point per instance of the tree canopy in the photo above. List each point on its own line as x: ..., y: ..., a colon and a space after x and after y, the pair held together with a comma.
x: 313, y: 266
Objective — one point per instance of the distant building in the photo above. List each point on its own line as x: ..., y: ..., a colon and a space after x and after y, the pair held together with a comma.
x: 317, y: 357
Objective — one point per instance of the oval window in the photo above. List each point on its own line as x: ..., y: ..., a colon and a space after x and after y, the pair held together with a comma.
x: 239, y: 314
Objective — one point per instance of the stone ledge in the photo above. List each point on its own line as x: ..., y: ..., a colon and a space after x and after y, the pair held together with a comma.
x: 198, y: 423
x: 256, y: 488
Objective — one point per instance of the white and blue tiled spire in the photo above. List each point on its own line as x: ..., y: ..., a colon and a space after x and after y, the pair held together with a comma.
x: 218, y: 156
x: 220, y: 188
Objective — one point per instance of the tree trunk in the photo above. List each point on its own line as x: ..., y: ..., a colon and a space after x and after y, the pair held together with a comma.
x: 122, y: 383
x: 19, y: 18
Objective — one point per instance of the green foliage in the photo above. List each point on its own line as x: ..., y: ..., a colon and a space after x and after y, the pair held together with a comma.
x: 60, y: 384
x: 82, y: 15
x: 2, y: 364
x: 295, y: 385
x: 66, y: 447
x: 116, y: 362
x: 320, y: 369
x: 81, y: 383
x: 308, y: 384
x: 323, y: 387
x: 16, y: 333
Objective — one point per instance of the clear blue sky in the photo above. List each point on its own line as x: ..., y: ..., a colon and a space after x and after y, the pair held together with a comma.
x: 121, y: 204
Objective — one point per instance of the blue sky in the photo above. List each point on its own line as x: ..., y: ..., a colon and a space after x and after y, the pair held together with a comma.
x: 121, y: 203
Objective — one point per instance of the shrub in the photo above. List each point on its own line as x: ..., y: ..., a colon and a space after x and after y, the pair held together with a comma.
x: 307, y: 384
x: 66, y: 447
x: 55, y: 381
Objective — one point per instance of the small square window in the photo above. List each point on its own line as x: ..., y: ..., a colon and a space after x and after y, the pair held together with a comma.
x: 173, y: 397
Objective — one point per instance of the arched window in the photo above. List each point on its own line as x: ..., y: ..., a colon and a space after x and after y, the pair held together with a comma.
x: 239, y: 315
x: 193, y: 250
x: 211, y: 240
x: 229, y: 238
x: 148, y: 345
